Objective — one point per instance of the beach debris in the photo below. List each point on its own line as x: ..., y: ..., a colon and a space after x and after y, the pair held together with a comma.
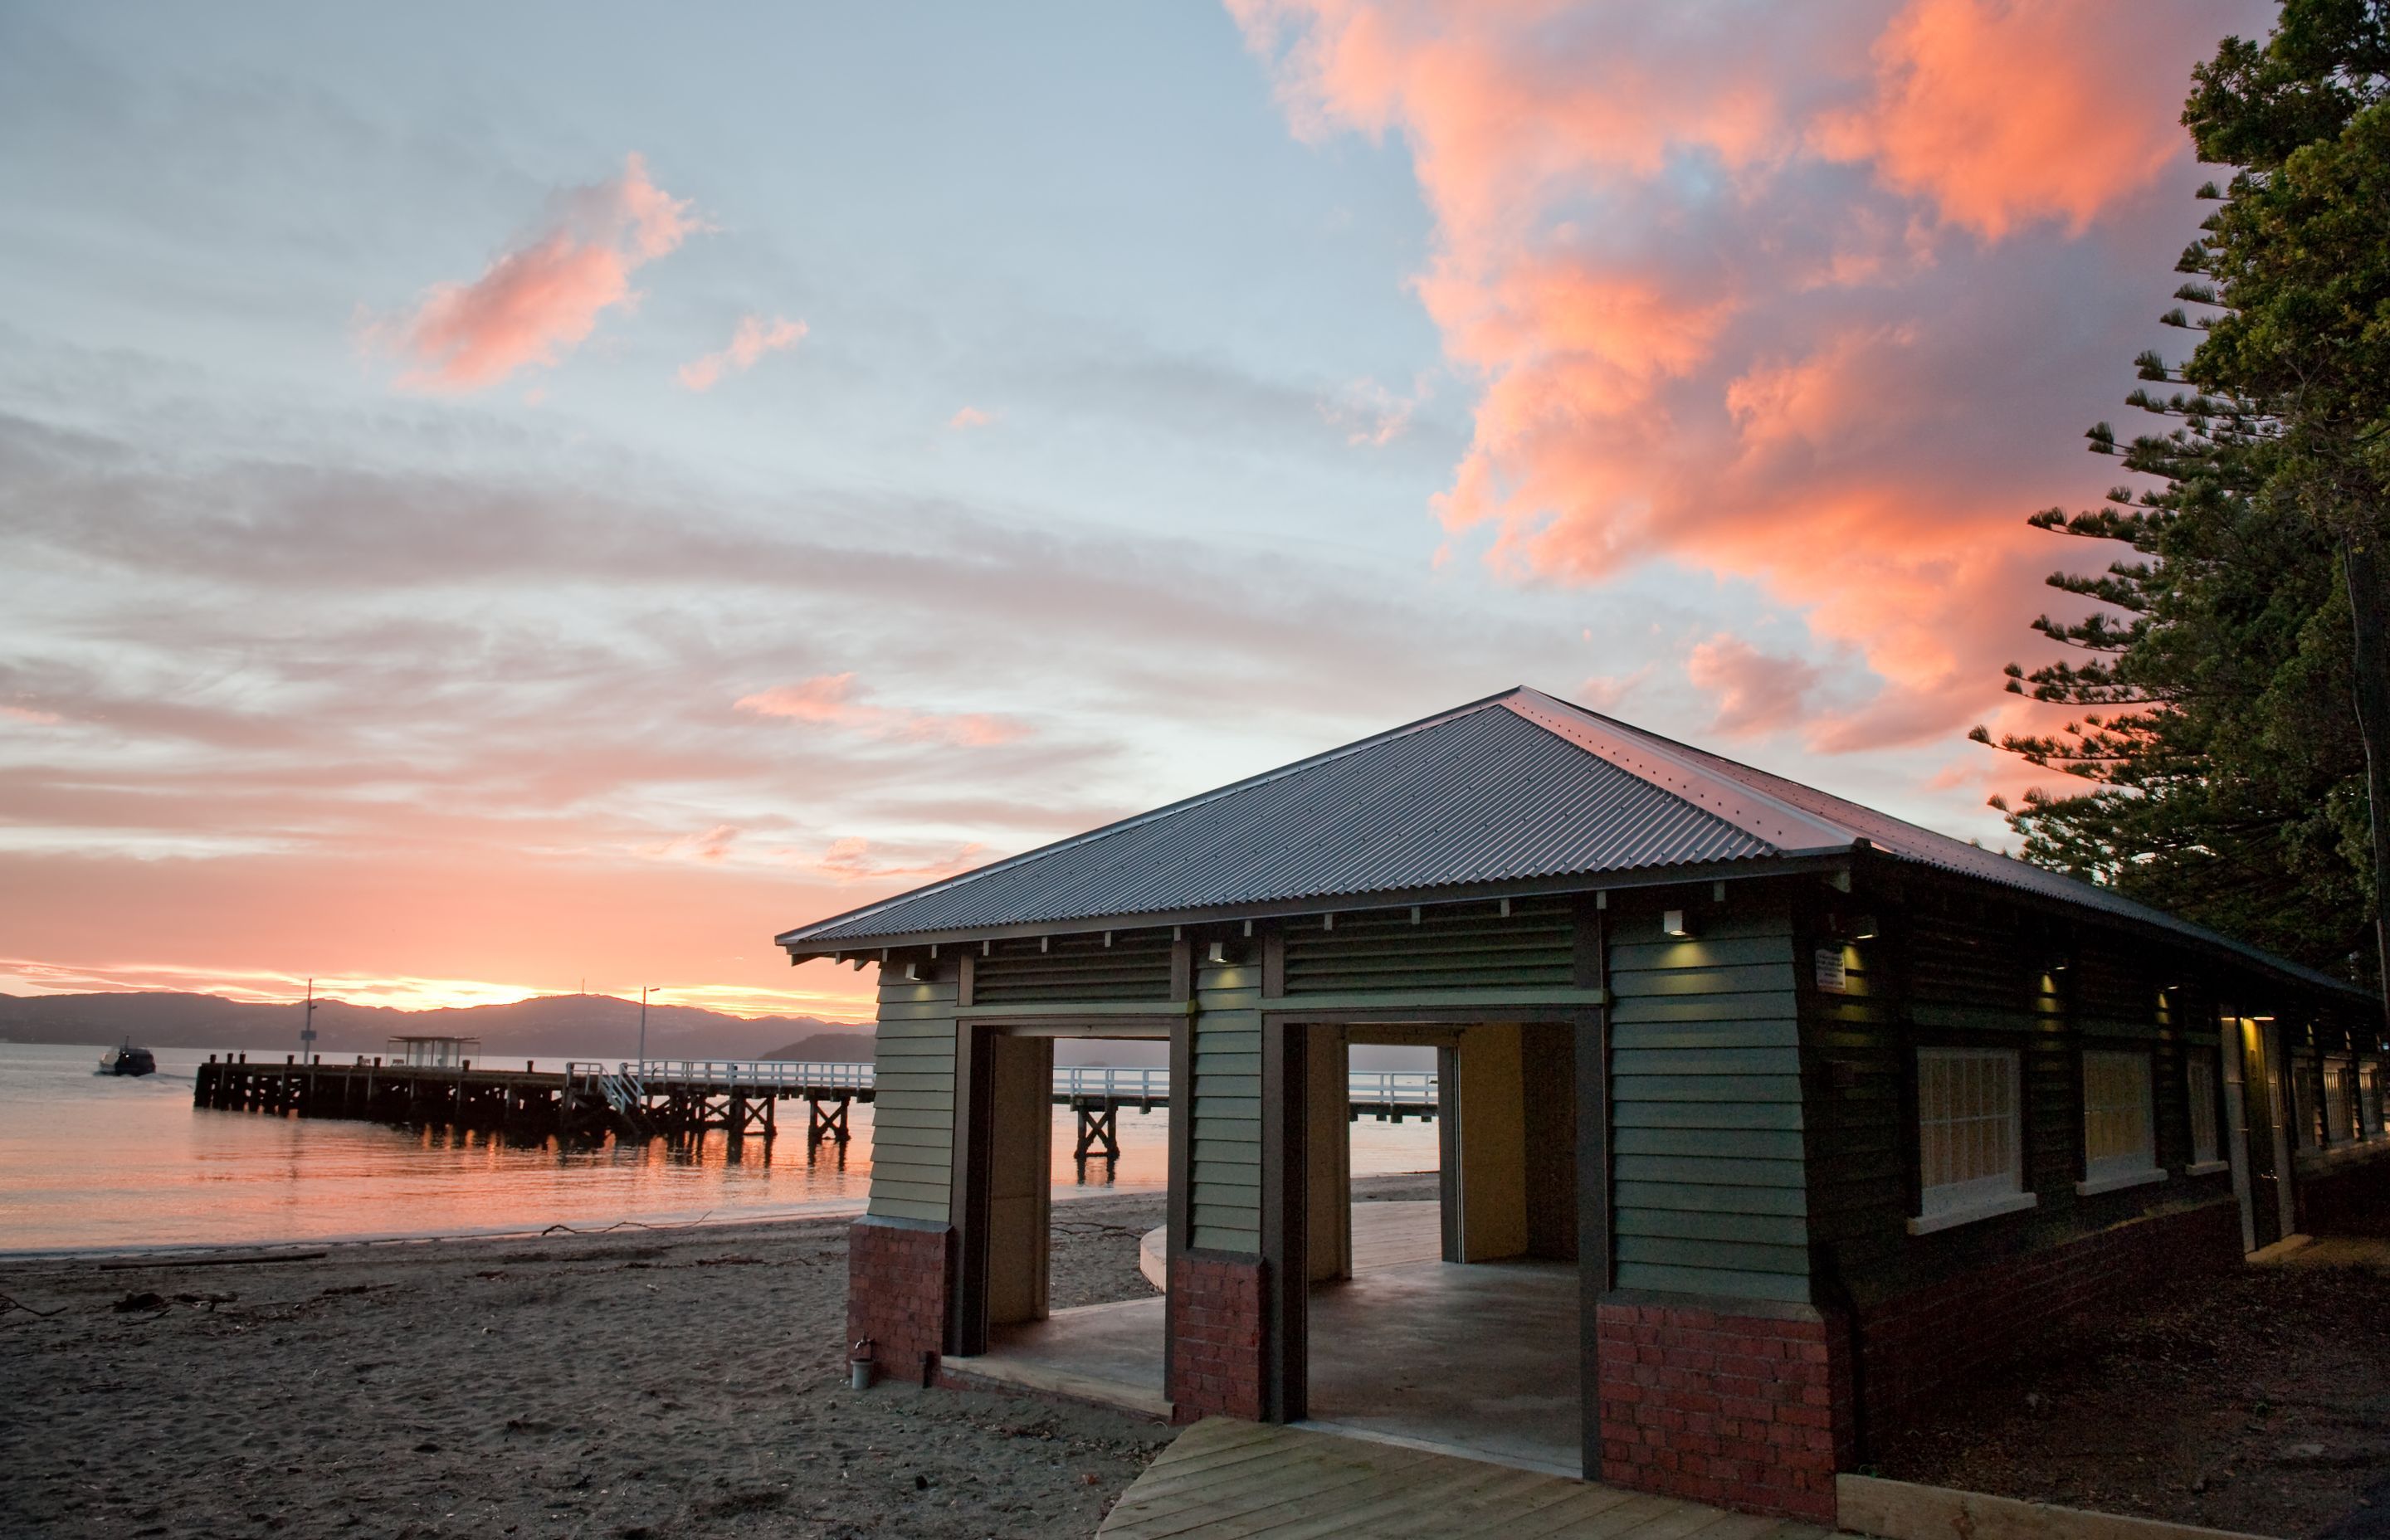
x: 205, y: 1301
x: 7, y: 1303
x: 138, y: 1299
x: 160, y: 1264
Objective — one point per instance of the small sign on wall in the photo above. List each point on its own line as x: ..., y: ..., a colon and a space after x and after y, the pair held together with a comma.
x: 1833, y: 977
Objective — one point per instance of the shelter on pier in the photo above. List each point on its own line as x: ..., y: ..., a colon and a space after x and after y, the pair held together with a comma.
x: 434, y: 1053
x: 1767, y: 1120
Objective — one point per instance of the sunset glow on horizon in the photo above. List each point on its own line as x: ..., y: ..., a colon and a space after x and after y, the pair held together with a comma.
x: 569, y: 510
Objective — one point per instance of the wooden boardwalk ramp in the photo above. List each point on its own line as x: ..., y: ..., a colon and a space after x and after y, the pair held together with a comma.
x: 1225, y: 1480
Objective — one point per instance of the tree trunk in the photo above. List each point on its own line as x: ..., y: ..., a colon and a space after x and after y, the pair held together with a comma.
x: 2368, y: 609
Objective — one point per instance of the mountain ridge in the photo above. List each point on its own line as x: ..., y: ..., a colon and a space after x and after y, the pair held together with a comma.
x: 551, y: 1026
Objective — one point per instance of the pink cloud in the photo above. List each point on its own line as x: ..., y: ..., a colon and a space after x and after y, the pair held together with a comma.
x: 1998, y: 113
x: 970, y: 417
x: 855, y: 860
x: 830, y: 699
x: 544, y: 298
x: 1607, y: 692
x: 713, y: 844
x: 1758, y: 692
x: 1370, y: 414
x: 1745, y: 292
x: 749, y: 344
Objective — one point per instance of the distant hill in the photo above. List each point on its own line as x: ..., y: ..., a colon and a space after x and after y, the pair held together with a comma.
x: 828, y: 1047
x: 548, y: 1026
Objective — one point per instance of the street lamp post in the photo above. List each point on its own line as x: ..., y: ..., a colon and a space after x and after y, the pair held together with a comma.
x: 644, y: 991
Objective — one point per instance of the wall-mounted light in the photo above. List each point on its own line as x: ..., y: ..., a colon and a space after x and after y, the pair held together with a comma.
x: 1672, y: 923
x: 1225, y: 953
x: 1842, y: 929
x: 916, y: 972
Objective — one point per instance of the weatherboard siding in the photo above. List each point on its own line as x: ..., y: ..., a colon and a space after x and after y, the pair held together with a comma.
x: 1859, y: 1151
x: 1456, y: 947
x: 1060, y: 970
x: 913, y: 1115
x: 1224, y: 1133
x: 1709, y: 1175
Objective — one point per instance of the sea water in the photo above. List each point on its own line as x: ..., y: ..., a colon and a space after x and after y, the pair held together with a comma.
x: 96, y: 1162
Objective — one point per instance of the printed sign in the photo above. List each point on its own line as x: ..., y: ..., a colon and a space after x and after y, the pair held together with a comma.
x: 1833, y: 978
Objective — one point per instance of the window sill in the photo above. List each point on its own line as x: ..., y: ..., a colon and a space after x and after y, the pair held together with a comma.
x: 2207, y: 1168
x: 2117, y: 1183
x: 1950, y: 1219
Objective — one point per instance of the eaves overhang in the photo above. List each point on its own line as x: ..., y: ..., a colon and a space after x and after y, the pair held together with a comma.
x: 1821, y: 863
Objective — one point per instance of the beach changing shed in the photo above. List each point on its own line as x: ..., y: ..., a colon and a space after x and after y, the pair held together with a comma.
x: 1815, y: 1112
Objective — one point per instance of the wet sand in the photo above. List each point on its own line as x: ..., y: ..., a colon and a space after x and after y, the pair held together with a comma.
x: 638, y: 1385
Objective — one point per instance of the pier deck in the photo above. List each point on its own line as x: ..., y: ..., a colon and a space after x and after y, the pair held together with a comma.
x: 677, y: 1095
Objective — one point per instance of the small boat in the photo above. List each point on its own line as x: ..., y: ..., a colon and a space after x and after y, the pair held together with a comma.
x: 128, y: 1060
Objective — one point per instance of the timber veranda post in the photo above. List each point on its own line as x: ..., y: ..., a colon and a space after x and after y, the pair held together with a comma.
x: 1589, y: 968
x: 1285, y: 1219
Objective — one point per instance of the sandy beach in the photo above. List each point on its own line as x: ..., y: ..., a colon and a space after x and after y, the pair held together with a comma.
x: 638, y: 1383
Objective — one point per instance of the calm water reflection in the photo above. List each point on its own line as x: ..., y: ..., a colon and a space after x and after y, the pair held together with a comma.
x: 89, y: 1160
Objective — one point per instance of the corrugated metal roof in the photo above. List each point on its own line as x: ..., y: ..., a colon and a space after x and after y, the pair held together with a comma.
x: 1515, y: 788
x: 1908, y: 841
x: 1476, y: 795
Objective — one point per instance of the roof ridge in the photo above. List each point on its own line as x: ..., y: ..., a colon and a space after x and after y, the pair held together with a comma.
x: 1167, y: 810
x: 1672, y: 767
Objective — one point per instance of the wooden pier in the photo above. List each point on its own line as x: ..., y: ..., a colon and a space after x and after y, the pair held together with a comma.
x: 663, y: 1097
x: 670, y: 1097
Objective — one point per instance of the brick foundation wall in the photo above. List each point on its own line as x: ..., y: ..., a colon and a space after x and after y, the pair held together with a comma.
x: 1920, y: 1346
x: 1215, y: 1348
x: 2353, y: 1198
x: 1741, y: 1411
x: 899, y: 1278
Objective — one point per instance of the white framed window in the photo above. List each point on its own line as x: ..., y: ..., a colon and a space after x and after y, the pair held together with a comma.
x: 2119, y: 1142
x: 2199, y: 1071
x: 2308, y: 1116
x: 1970, y: 1138
x: 2339, y: 1105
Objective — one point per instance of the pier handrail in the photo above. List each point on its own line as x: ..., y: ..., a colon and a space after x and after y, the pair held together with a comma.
x: 774, y: 1074
x: 1368, y: 1087
x: 1102, y: 1080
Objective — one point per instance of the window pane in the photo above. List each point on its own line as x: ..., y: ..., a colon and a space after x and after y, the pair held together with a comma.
x: 1966, y: 1113
x: 2116, y: 1126
x: 2202, y: 1069
x: 2336, y: 1109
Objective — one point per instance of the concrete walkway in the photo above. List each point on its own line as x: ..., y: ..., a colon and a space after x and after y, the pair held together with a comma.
x: 1401, y: 1354
x: 1393, y: 1234
x: 1224, y: 1480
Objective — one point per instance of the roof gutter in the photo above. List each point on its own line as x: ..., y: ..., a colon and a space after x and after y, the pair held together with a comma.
x: 804, y: 943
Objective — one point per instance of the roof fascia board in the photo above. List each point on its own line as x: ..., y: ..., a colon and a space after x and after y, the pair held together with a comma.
x: 1750, y: 869
x: 2203, y: 945
x: 1789, y: 828
x: 1168, y: 810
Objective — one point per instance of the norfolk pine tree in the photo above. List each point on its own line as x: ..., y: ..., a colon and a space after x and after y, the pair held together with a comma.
x: 2238, y: 729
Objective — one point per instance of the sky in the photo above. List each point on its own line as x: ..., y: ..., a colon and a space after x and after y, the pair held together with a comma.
x: 496, y: 501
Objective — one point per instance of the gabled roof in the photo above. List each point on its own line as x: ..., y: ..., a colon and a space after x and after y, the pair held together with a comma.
x: 1514, y: 788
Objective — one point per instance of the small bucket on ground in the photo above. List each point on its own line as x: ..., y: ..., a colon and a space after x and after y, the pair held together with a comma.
x: 859, y: 1365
